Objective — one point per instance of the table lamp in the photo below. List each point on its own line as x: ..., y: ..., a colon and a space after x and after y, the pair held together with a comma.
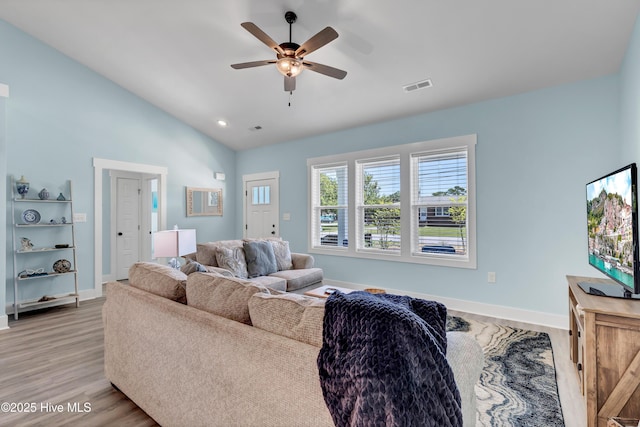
x: 174, y: 243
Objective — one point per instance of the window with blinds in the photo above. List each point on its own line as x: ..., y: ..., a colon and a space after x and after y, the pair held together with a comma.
x: 330, y: 209
x: 408, y: 203
x: 378, y: 205
x: 439, y: 202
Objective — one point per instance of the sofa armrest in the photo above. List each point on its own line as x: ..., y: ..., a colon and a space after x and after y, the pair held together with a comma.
x: 466, y: 358
x: 301, y: 261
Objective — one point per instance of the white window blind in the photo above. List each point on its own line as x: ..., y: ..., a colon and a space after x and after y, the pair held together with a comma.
x: 378, y: 202
x: 330, y: 210
x: 439, y: 202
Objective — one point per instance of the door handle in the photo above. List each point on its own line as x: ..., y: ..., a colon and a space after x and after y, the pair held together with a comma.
x: 119, y: 234
x: 273, y: 232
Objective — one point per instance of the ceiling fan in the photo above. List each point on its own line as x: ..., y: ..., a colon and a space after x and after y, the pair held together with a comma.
x: 290, y: 56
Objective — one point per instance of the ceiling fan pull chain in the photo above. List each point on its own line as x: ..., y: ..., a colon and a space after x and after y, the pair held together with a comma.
x: 290, y: 96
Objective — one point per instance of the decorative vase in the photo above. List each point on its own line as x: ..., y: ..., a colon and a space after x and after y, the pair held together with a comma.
x: 22, y: 186
x: 43, y: 194
x: 61, y: 197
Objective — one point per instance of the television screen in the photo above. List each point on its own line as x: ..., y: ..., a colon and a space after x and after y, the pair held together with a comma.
x: 612, y: 223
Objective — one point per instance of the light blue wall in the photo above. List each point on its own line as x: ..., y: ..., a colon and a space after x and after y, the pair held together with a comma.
x: 61, y: 115
x: 630, y: 100
x: 535, y: 153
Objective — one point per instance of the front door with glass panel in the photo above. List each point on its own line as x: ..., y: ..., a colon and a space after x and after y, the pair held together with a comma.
x: 262, y: 208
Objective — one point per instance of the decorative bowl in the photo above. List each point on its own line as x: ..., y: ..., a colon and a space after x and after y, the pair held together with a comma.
x: 62, y: 266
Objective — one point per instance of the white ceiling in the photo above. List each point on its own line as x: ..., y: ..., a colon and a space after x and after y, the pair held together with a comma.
x: 176, y: 54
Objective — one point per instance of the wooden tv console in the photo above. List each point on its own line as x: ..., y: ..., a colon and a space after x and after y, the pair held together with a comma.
x: 605, y: 348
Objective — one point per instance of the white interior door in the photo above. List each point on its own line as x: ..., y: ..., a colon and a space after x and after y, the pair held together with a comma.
x: 127, y: 225
x: 262, y: 208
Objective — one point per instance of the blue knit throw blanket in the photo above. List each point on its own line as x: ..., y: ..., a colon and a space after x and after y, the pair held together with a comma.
x: 383, y: 363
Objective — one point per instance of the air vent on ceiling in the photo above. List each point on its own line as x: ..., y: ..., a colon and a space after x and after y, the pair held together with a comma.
x: 418, y: 85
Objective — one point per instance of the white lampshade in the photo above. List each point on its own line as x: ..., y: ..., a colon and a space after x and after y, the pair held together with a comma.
x: 174, y: 243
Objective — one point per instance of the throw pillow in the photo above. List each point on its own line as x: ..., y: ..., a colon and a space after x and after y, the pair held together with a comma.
x: 206, y: 253
x: 282, y: 253
x: 261, y: 261
x: 193, y: 267
x: 233, y: 260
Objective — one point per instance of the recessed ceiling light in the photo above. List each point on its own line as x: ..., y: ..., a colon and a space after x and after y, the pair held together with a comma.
x: 223, y: 123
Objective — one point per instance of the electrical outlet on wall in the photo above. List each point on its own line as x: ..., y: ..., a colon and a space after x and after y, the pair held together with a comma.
x: 491, y: 277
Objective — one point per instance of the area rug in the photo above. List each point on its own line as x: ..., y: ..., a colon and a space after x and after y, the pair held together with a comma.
x: 518, y: 384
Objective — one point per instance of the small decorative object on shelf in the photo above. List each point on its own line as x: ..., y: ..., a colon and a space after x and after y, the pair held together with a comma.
x: 31, y: 216
x: 63, y: 220
x: 32, y: 273
x: 43, y: 194
x: 46, y: 298
x: 61, y: 198
x: 62, y: 245
x: 26, y: 244
x: 22, y: 186
x: 62, y: 266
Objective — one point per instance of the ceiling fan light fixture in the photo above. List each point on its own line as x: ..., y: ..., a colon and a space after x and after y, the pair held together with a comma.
x: 289, y: 67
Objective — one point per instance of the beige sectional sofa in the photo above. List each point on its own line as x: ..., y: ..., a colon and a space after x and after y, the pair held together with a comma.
x: 236, y: 354
x: 293, y: 270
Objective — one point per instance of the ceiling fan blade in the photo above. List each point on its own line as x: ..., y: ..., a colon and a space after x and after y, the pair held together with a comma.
x: 252, y: 64
x: 316, y: 42
x: 325, y: 69
x: 262, y: 36
x: 289, y: 84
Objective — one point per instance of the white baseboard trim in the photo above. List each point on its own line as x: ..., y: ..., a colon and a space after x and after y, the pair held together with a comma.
x: 4, y: 322
x: 502, y: 312
x: 108, y: 278
x: 85, y: 294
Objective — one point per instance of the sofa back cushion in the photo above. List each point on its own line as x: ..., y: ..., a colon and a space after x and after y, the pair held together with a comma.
x: 290, y: 315
x: 160, y: 280
x: 223, y: 296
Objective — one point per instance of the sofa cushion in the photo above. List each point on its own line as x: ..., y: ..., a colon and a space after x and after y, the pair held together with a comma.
x: 271, y: 282
x: 297, y: 279
x: 290, y: 315
x: 223, y: 296
x: 233, y: 260
x: 160, y: 280
x: 283, y: 254
x: 261, y: 261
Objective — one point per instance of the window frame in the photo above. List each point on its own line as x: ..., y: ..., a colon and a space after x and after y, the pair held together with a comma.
x: 409, y: 219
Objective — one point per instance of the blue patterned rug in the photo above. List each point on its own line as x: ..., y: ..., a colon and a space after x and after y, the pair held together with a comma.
x: 518, y: 383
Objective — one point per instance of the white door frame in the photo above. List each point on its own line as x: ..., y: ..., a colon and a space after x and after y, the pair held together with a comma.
x: 257, y: 177
x: 99, y: 166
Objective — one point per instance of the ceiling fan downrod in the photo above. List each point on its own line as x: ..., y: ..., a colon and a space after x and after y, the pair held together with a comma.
x: 290, y: 17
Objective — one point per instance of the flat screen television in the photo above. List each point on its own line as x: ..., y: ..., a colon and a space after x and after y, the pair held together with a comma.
x: 612, y: 226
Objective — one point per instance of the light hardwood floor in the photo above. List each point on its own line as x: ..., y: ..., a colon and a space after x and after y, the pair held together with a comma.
x: 55, y: 357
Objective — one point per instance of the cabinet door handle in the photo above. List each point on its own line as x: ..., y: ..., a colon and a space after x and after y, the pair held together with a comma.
x: 119, y: 234
x: 579, y: 366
